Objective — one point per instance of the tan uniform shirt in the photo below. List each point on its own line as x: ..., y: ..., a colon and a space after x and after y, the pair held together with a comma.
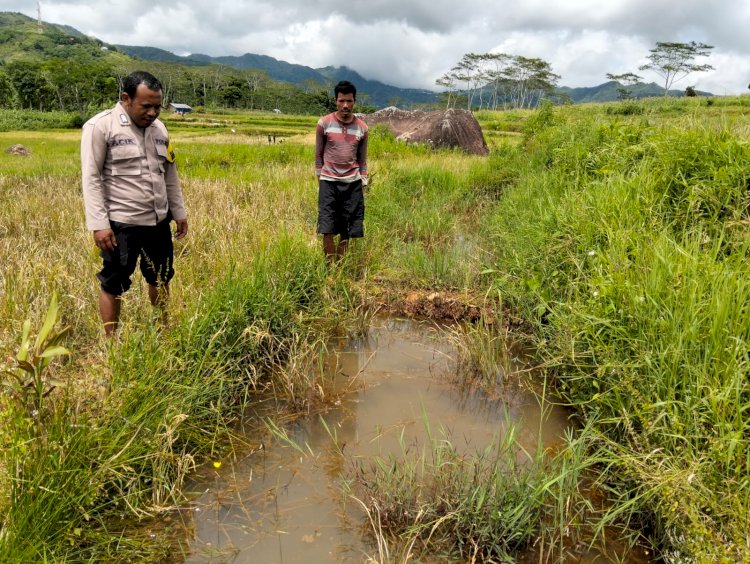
x: 125, y: 172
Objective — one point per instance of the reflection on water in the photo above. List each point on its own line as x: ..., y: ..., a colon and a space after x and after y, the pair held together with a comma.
x: 282, y: 505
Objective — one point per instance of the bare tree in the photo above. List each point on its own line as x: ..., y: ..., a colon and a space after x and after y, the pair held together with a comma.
x: 254, y: 80
x: 447, y: 81
x: 530, y: 78
x: 675, y: 61
x: 497, y: 65
x: 469, y: 70
x: 514, y: 80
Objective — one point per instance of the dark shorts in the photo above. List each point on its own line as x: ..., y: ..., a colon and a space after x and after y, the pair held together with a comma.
x: 341, y: 208
x: 152, y: 244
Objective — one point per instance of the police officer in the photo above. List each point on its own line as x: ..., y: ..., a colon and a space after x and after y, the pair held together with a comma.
x: 131, y: 193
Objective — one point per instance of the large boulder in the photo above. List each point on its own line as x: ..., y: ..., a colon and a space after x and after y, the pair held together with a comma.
x: 449, y: 128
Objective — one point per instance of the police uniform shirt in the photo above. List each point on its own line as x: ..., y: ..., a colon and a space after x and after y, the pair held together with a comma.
x: 127, y: 172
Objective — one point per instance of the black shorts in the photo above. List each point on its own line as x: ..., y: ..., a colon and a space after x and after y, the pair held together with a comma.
x: 341, y: 208
x: 152, y: 244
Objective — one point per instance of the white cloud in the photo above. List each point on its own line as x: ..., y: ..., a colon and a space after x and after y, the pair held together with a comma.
x: 413, y: 42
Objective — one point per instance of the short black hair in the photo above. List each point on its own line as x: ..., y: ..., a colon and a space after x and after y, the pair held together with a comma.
x: 344, y: 87
x: 130, y: 83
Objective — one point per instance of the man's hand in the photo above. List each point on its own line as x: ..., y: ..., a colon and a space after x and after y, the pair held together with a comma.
x: 105, y: 239
x: 182, y: 228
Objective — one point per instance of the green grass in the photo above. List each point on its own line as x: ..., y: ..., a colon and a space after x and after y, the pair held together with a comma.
x: 619, y: 236
x: 170, y: 398
x: 29, y: 120
x: 628, y: 243
x: 435, y: 501
x: 125, y: 422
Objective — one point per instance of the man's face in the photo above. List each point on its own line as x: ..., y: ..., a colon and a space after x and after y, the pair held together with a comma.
x: 144, y: 107
x: 344, y: 105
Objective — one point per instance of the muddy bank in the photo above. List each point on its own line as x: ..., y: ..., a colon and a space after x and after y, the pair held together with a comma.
x: 442, y: 307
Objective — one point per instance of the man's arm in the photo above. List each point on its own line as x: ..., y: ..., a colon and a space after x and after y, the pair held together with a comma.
x: 320, y: 146
x: 175, y: 199
x: 93, y: 153
x: 362, y: 154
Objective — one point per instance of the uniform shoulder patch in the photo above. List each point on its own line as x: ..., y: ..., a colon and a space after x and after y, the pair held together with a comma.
x: 170, y: 152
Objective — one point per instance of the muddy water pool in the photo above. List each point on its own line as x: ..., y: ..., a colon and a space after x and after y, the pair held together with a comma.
x: 282, y: 501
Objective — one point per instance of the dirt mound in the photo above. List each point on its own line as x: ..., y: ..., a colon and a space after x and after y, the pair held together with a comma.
x: 18, y: 150
x: 446, y: 129
x: 444, y: 307
x: 437, y: 306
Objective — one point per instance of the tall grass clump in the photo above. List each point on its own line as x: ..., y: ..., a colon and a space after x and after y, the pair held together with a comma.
x: 422, y: 221
x: 485, y: 355
x: 628, y: 244
x: 443, y: 502
x: 626, y: 108
x: 98, y: 441
x: 30, y: 120
x: 92, y: 472
x: 436, y: 502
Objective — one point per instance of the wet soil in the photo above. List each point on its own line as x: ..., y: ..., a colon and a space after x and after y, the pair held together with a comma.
x: 444, y: 307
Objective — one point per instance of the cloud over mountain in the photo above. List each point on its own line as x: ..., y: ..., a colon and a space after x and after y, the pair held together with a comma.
x: 412, y: 43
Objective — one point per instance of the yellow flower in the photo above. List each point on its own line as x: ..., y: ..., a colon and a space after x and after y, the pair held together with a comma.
x: 217, y: 464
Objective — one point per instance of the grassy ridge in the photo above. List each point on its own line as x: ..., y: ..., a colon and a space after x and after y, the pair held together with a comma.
x: 628, y: 241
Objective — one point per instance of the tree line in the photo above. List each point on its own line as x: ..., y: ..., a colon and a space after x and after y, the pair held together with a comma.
x: 90, y: 78
x: 85, y: 84
x: 501, y: 81
x: 498, y: 81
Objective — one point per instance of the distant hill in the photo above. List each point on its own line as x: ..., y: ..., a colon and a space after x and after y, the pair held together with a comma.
x: 156, y: 54
x: 608, y: 92
x: 278, y: 70
x: 20, y: 38
x: 374, y: 92
x: 19, y: 33
x: 380, y: 94
x: 377, y: 93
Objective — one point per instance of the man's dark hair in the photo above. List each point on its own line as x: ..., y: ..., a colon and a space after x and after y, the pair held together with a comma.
x: 345, y: 87
x: 130, y: 83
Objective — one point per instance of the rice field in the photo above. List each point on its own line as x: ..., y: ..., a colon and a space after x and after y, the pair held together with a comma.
x: 611, y: 239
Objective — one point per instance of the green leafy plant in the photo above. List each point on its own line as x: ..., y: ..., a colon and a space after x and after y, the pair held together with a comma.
x: 29, y: 383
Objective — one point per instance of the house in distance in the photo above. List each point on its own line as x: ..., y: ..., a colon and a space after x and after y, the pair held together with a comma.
x: 181, y: 109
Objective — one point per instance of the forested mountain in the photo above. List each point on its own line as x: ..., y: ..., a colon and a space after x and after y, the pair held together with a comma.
x: 20, y: 37
x: 373, y: 92
x: 58, y: 68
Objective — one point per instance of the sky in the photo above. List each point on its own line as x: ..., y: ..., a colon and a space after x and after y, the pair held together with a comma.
x: 412, y: 43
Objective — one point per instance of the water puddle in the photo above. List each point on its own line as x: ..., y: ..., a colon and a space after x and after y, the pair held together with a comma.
x: 283, y: 503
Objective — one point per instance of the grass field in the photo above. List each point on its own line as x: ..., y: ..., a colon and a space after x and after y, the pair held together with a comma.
x: 617, y: 232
